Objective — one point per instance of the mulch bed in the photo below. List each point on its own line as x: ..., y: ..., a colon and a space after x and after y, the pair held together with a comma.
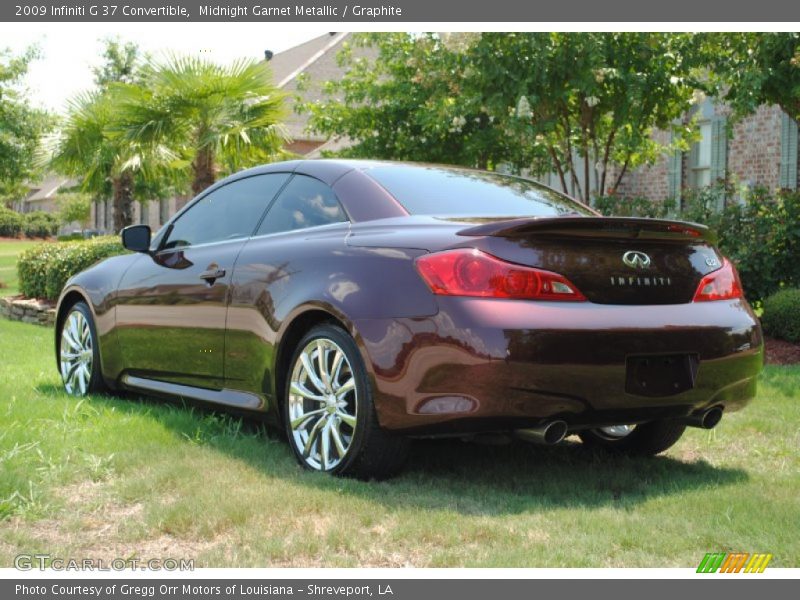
x: 780, y: 352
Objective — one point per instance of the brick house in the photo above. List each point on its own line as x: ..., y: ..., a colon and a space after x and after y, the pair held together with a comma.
x: 761, y: 150
x: 42, y: 194
x: 313, y: 63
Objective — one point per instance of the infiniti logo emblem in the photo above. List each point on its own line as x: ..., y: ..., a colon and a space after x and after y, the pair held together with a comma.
x: 636, y: 259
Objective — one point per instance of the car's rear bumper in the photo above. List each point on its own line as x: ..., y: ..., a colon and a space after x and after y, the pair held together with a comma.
x: 487, y: 364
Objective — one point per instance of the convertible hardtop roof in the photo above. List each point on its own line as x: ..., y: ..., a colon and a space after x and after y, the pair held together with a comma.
x: 329, y: 169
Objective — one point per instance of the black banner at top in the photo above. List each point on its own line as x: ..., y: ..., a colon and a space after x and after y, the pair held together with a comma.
x: 388, y: 11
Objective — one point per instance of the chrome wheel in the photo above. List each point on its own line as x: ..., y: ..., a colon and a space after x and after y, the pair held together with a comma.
x: 322, y: 404
x: 76, y: 354
x: 615, y: 432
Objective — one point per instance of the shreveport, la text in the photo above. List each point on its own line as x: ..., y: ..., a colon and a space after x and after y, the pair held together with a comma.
x: 235, y: 11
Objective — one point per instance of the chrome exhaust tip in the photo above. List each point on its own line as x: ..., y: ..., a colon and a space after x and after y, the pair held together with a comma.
x: 707, y: 419
x: 548, y: 434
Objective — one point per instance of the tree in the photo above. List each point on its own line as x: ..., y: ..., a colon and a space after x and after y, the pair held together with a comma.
x: 410, y: 100
x: 213, y: 118
x: 121, y: 64
x: 752, y: 69
x: 86, y: 147
x: 88, y: 144
x: 590, y: 101
x: 543, y: 101
x: 21, y: 127
x: 74, y: 208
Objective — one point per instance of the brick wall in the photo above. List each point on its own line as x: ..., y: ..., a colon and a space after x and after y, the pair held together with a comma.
x: 649, y: 181
x: 754, y: 158
x: 754, y: 150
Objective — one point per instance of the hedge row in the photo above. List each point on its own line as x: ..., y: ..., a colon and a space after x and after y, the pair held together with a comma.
x: 37, y: 224
x: 44, y: 269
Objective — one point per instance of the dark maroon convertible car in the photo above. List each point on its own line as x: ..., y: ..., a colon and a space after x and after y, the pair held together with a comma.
x: 361, y: 304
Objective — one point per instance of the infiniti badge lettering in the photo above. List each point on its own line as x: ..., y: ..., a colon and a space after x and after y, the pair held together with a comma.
x: 640, y: 281
x: 636, y: 259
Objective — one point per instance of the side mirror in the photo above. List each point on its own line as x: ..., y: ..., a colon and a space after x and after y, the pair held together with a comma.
x: 137, y: 238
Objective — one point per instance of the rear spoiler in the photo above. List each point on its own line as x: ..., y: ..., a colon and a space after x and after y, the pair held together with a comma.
x: 595, y: 227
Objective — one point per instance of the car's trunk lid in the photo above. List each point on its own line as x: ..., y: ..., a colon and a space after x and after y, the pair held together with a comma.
x: 610, y: 260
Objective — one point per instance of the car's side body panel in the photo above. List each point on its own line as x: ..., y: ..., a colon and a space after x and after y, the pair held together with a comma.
x: 171, y: 322
x: 277, y: 277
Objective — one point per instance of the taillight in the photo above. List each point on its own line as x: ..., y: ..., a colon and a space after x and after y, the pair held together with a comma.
x: 722, y: 284
x: 470, y: 272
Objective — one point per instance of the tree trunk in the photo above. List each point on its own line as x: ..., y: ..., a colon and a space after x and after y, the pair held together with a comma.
x: 621, y: 174
x: 587, y: 193
x: 559, y: 169
x: 203, y: 169
x: 123, y: 201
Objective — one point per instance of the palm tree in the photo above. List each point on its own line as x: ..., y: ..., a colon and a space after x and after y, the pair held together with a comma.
x: 216, y: 118
x: 89, y: 146
x: 85, y: 147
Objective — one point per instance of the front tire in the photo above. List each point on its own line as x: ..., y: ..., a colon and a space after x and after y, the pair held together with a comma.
x: 329, y: 414
x: 79, y: 352
x: 647, y: 439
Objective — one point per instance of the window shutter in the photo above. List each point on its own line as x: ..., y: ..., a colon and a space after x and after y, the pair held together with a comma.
x: 719, y: 149
x: 788, y: 176
x: 675, y: 174
x: 719, y: 155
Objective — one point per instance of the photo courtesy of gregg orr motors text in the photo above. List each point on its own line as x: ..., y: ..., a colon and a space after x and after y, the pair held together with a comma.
x: 165, y: 590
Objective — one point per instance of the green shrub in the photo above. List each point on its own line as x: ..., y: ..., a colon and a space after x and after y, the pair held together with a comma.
x: 762, y: 237
x: 70, y: 237
x: 44, y: 269
x: 32, y: 269
x: 781, y: 318
x: 39, y: 224
x: 10, y: 222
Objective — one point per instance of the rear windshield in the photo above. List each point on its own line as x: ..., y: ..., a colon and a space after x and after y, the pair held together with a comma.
x: 462, y: 192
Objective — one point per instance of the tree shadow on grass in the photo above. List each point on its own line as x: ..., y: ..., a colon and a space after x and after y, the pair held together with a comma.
x: 449, y: 474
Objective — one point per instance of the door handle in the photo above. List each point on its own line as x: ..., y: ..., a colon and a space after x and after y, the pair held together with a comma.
x: 212, y: 275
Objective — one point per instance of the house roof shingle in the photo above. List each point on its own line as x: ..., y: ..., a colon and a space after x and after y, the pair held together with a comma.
x: 316, y: 59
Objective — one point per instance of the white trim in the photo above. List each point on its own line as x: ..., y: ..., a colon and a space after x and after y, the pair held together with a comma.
x: 334, y: 41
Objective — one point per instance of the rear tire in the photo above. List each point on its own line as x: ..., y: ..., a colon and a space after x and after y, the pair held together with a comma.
x: 329, y: 415
x: 647, y: 439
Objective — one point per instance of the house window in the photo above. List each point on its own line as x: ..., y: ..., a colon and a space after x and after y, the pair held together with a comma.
x: 700, y: 158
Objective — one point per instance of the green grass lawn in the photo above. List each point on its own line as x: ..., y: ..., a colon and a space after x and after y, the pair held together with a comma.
x: 109, y: 477
x: 9, y: 251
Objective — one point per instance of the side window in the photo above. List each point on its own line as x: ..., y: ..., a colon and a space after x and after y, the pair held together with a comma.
x: 228, y: 213
x: 304, y: 202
